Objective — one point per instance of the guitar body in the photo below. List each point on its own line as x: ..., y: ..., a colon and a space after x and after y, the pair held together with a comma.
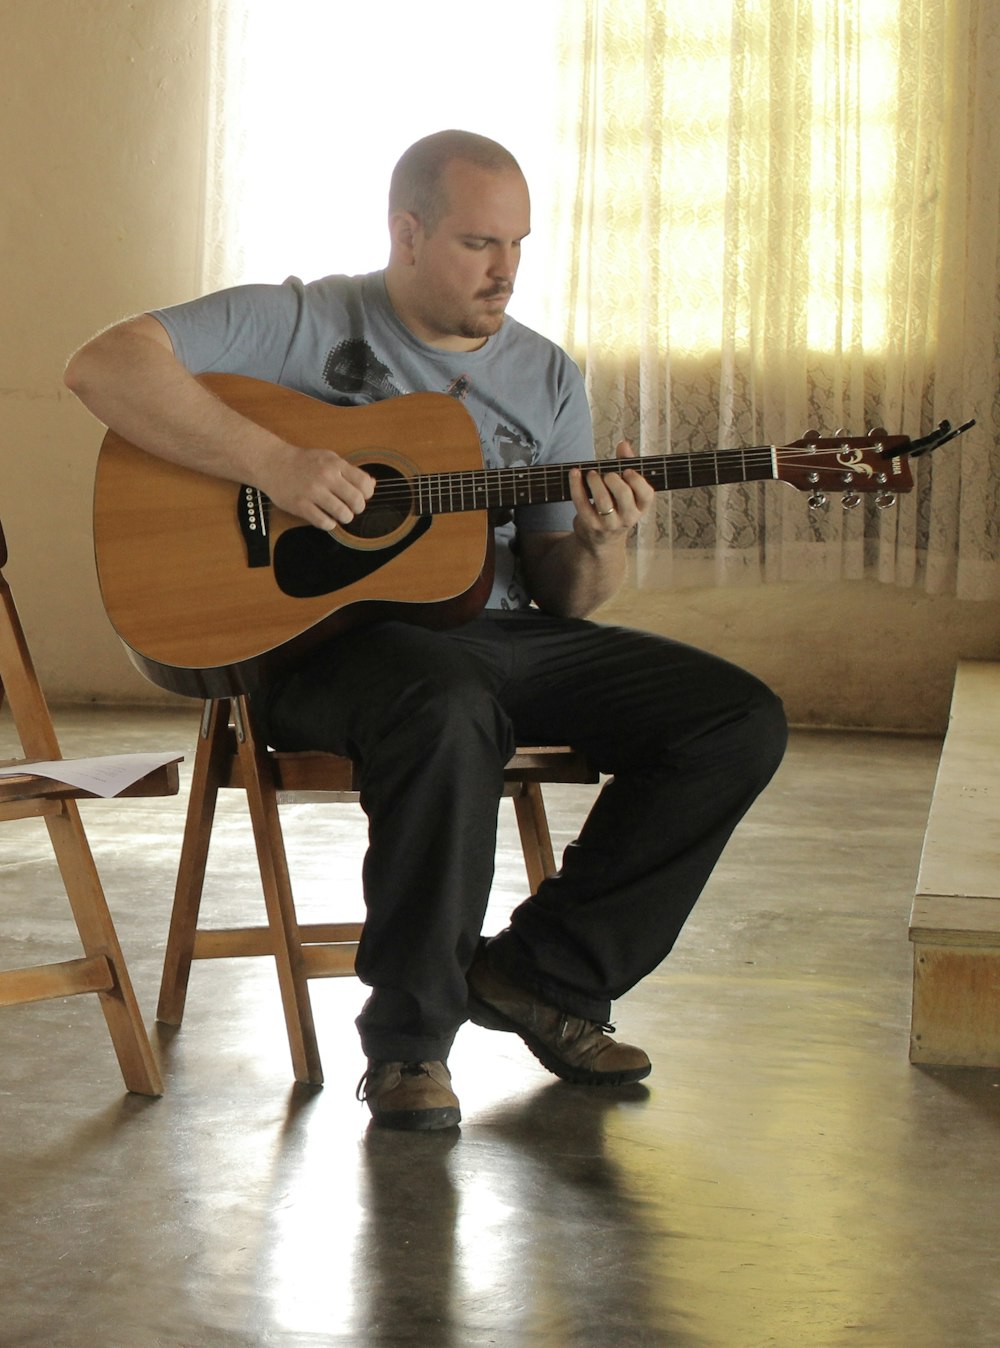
x: 210, y: 590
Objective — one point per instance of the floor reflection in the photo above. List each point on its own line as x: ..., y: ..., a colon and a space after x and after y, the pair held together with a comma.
x: 407, y: 1253
x: 525, y: 1222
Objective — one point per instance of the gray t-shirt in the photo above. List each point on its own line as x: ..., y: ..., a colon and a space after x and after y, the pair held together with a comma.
x: 339, y: 339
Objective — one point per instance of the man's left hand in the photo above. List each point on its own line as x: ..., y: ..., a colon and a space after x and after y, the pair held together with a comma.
x: 609, y: 505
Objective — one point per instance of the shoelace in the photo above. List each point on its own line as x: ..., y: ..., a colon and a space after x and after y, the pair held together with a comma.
x: 584, y: 1027
x: 408, y: 1069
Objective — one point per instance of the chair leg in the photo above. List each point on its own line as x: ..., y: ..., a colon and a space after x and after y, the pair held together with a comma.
x: 99, y: 939
x: 533, y: 826
x: 76, y: 866
x: 282, y: 920
x: 205, y: 781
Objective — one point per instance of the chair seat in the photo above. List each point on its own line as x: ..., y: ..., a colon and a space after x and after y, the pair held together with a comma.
x: 312, y: 772
x: 26, y: 788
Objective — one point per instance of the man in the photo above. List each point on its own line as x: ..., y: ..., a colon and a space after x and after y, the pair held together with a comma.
x: 431, y: 717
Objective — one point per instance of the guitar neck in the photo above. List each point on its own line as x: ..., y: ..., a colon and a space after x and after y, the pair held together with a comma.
x: 491, y: 488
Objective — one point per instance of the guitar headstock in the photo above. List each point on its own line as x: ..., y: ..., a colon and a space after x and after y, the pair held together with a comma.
x: 876, y: 462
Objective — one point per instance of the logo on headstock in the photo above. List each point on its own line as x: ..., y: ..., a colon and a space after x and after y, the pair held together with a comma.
x: 854, y: 459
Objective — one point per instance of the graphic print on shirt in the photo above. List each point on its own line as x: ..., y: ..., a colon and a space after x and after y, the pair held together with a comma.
x: 512, y: 447
x: 353, y: 368
x: 504, y: 446
x: 459, y: 388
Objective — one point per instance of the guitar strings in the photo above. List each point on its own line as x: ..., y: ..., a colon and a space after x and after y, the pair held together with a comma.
x: 449, y: 485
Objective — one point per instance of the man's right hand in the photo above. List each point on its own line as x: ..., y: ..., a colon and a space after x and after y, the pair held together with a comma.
x: 315, y: 485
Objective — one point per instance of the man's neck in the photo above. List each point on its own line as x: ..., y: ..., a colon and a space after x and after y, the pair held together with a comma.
x: 396, y: 295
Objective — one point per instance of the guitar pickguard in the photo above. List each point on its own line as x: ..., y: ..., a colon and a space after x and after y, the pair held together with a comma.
x: 310, y: 562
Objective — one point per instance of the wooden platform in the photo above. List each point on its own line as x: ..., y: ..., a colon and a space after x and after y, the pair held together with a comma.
x: 955, y: 923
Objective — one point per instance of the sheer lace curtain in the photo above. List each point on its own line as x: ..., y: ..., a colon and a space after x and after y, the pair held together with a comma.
x: 784, y: 215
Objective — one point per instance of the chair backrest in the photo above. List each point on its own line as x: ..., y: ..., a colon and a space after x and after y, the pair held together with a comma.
x: 18, y: 680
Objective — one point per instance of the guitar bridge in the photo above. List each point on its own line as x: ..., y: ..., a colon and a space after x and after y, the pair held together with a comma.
x: 253, y: 512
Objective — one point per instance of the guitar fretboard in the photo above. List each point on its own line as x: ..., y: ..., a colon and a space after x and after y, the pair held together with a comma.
x: 490, y: 488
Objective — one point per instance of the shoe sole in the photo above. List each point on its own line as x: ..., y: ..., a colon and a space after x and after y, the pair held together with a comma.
x: 418, y: 1120
x: 489, y: 1018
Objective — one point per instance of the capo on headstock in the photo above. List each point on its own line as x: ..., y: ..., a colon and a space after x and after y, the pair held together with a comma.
x: 935, y: 440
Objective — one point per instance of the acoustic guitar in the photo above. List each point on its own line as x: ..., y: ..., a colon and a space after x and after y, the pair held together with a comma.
x: 210, y: 587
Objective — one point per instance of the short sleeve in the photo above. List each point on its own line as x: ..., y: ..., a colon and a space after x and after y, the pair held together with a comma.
x: 242, y: 330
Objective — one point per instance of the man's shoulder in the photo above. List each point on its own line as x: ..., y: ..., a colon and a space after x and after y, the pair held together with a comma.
x: 548, y: 364
x: 531, y: 344
x: 339, y: 288
x: 516, y: 331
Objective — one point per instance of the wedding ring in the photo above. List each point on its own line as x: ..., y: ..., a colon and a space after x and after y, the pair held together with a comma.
x: 607, y: 512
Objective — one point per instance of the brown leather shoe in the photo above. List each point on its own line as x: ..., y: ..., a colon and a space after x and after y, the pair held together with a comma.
x: 411, y: 1095
x: 581, y: 1051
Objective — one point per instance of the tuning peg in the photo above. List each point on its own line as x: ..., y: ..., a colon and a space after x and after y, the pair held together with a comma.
x: 876, y: 434
x: 818, y: 501
x: 884, y: 499
x: 810, y: 437
x: 850, y: 500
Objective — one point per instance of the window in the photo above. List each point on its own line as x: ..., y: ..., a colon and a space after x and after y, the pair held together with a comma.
x: 314, y: 102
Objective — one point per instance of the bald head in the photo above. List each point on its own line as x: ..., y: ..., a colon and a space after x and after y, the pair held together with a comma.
x: 418, y: 184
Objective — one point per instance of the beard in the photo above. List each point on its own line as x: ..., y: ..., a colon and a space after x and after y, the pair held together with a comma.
x: 449, y: 316
x: 482, y: 325
x: 476, y: 324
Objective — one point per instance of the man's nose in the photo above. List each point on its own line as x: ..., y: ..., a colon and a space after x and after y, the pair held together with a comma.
x: 504, y: 264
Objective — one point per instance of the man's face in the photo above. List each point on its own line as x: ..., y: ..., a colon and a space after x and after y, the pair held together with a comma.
x: 464, y: 270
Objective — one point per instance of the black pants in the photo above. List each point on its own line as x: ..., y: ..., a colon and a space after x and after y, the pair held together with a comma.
x: 688, y: 742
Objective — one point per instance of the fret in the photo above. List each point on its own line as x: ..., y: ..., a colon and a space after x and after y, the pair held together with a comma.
x: 520, y: 485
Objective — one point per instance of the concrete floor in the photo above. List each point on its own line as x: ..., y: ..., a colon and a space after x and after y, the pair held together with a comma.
x: 784, y: 1177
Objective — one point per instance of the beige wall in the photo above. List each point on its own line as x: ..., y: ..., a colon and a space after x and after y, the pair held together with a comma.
x: 854, y: 654
x: 100, y: 207
x: 104, y: 120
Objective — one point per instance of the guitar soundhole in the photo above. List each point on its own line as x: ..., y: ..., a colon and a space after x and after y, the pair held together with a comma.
x: 387, y: 509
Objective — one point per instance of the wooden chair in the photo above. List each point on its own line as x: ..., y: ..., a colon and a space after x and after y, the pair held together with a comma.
x: 231, y: 754
x: 102, y: 967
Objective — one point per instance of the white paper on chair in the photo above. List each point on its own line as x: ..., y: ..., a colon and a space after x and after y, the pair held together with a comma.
x: 104, y: 776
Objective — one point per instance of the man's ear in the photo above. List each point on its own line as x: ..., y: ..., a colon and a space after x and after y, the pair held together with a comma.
x: 403, y: 230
